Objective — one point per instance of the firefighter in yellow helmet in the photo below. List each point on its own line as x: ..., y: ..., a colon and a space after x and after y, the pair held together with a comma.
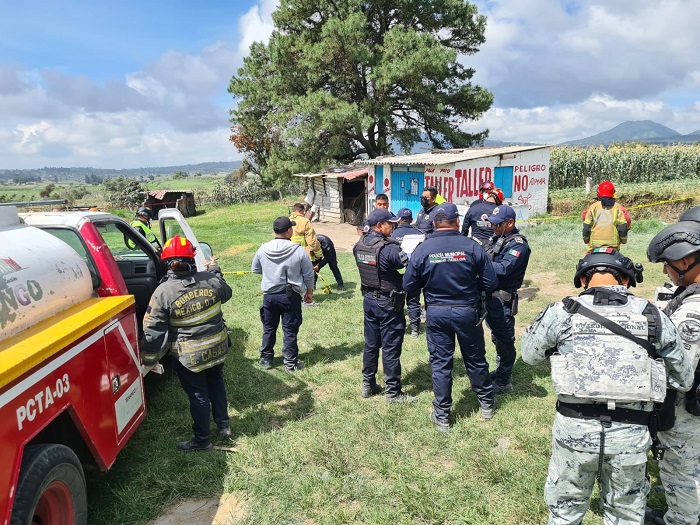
x: 303, y: 233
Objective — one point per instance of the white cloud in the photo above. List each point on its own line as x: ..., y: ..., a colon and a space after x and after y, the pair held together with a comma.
x: 565, y: 70
x: 256, y: 25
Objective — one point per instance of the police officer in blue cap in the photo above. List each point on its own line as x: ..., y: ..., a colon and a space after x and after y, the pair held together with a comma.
x: 379, y: 259
x: 453, y: 270
x: 510, y: 253
x: 413, y: 237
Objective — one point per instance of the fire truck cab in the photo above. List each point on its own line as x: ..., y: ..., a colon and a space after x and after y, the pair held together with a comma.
x: 74, y: 287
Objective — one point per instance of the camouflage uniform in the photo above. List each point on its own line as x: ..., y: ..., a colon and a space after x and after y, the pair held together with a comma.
x: 576, y: 443
x: 680, y: 467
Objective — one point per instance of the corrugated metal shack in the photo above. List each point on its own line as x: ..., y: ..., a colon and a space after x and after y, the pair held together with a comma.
x: 339, y: 194
x: 183, y: 200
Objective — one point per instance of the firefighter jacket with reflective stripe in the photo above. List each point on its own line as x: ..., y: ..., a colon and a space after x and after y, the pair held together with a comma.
x: 606, y: 226
x: 184, y: 316
x: 144, y: 230
x: 304, y: 235
x: 379, y: 260
x: 609, y: 367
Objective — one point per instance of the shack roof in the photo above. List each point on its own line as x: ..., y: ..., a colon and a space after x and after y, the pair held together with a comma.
x: 342, y: 173
x: 441, y: 157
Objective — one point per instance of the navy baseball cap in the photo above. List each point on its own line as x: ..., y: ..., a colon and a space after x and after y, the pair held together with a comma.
x: 405, y: 213
x: 381, y: 215
x: 445, y: 212
x: 282, y: 224
x: 501, y: 213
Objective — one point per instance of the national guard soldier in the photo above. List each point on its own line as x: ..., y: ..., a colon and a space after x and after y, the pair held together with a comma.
x: 453, y: 270
x: 476, y: 221
x: 510, y: 253
x: 678, y: 248
x: 412, y: 237
x: 611, y: 354
x: 184, y: 318
x: 379, y: 260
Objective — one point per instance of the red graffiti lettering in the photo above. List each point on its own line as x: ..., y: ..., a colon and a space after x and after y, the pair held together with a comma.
x: 520, y: 183
x: 537, y: 182
x: 468, y: 180
x: 524, y: 198
x: 532, y: 168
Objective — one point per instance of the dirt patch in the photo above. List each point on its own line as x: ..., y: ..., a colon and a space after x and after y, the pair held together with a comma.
x: 344, y: 236
x: 229, y: 509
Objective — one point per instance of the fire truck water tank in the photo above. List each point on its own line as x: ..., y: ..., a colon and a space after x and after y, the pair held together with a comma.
x: 40, y: 275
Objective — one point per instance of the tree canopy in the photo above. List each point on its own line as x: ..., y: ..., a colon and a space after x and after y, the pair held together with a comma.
x: 340, y: 79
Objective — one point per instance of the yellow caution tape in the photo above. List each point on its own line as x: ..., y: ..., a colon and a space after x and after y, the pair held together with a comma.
x: 637, y: 207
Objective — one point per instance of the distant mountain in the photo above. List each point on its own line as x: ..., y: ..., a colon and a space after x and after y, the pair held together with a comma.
x: 55, y: 173
x: 637, y: 131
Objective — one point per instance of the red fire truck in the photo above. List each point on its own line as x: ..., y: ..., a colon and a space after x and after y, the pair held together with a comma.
x: 73, y: 289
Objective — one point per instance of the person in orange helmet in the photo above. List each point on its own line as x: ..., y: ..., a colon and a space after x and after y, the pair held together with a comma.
x: 606, y: 222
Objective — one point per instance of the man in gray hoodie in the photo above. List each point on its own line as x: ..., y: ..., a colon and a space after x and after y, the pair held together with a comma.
x: 288, y: 275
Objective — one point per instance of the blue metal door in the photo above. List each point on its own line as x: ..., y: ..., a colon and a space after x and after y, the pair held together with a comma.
x: 503, y: 178
x: 406, y: 189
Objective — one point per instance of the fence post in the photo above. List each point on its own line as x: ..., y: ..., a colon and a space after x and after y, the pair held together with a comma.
x: 589, y: 182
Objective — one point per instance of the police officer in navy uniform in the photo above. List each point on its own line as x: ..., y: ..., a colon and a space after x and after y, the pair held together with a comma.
x: 510, y: 253
x: 379, y: 260
x: 477, y: 217
x: 403, y: 230
x: 424, y: 221
x: 453, y: 270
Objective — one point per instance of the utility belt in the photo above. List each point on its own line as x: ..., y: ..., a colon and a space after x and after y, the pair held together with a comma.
x: 602, y: 413
x: 397, y: 298
x: 508, y: 297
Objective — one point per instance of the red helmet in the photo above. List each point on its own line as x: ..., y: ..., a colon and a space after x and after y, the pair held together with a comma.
x: 498, y: 193
x: 487, y: 185
x: 177, y: 247
x: 606, y: 189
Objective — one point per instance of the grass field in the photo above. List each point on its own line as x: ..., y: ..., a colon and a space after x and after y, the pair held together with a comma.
x: 310, y: 450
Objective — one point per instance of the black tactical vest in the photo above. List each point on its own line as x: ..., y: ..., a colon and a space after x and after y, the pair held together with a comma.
x: 367, y: 258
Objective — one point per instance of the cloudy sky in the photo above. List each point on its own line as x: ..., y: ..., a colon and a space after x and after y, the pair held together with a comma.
x: 122, y: 84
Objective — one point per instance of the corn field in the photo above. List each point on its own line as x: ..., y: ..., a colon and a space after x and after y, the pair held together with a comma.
x: 569, y: 166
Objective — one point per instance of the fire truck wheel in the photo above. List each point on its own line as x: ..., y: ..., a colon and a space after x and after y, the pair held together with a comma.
x: 51, y: 488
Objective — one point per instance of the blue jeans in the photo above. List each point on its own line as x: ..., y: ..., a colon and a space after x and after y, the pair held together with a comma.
x: 276, y: 307
x: 384, y: 328
x: 205, y: 389
x: 501, y: 322
x: 442, y: 325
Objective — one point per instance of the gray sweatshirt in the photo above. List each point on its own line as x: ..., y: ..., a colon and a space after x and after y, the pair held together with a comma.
x: 280, y: 261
